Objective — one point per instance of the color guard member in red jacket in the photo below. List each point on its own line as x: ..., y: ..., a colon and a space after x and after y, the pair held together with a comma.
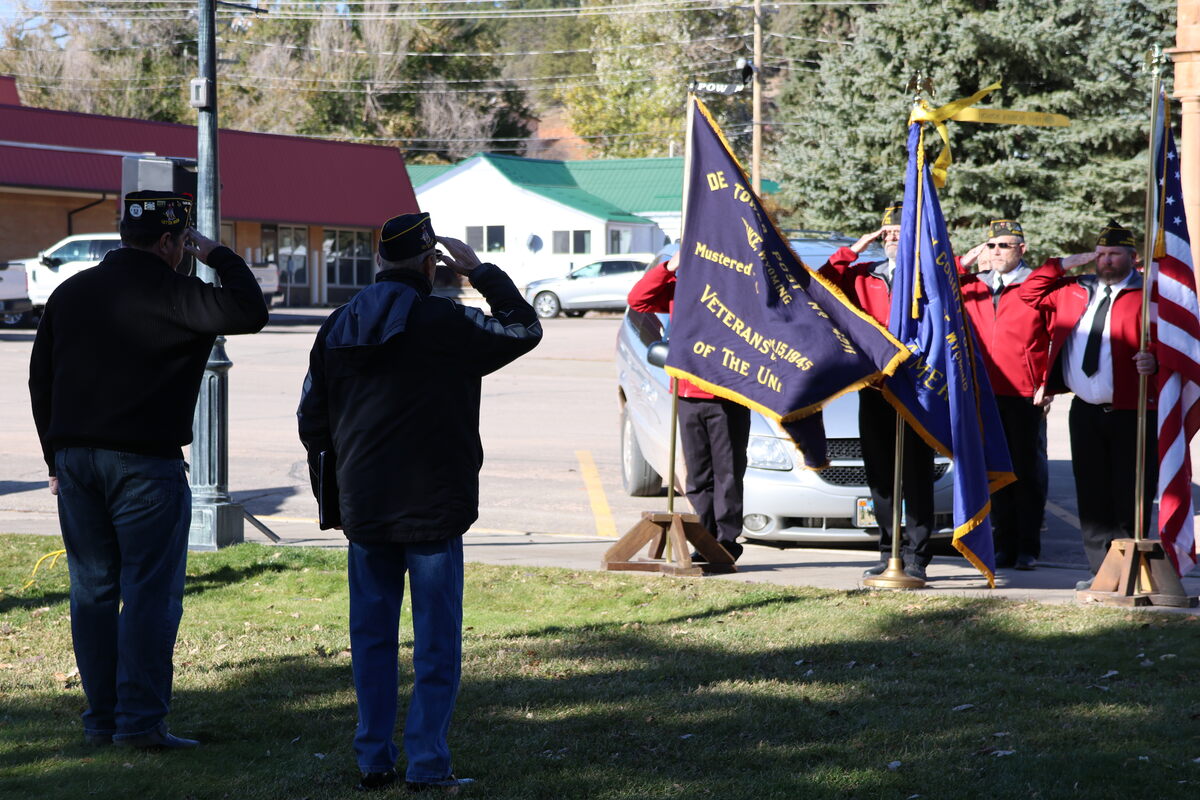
x: 869, y: 285
x: 1014, y: 338
x: 714, y: 432
x: 1094, y: 353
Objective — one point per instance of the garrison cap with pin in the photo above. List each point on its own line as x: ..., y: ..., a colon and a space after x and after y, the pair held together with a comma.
x: 1005, y: 227
x: 891, y: 214
x: 1114, y: 235
x: 157, y: 212
x: 406, y: 236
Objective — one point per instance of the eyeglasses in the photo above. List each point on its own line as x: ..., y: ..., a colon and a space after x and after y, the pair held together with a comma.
x: 1001, y: 245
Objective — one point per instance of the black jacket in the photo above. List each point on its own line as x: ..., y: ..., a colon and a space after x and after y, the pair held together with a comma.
x: 121, y: 349
x: 393, y: 392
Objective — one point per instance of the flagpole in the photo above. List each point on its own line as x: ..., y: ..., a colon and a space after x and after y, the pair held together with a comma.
x: 1139, y: 515
x: 894, y: 577
x: 687, y: 181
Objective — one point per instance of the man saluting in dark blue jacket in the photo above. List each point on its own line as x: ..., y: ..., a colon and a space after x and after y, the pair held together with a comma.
x: 390, y: 418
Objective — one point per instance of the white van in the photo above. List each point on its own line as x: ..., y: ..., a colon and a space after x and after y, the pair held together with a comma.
x: 14, y: 294
x: 83, y: 251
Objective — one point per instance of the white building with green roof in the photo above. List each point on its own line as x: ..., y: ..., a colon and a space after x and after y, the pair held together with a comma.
x: 539, y: 218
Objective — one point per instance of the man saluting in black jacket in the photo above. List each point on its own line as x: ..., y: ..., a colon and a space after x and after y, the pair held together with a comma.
x: 392, y: 398
x: 114, y: 375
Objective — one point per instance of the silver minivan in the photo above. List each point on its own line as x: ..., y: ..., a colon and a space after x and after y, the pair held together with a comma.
x: 784, y: 501
x: 601, y: 285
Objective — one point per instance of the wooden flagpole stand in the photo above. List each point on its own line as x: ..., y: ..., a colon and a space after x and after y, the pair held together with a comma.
x: 1137, y: 572
x: 669, y: 534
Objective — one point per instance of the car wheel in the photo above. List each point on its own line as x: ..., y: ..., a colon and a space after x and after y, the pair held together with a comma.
x: 546, y: 305
x: 17, y: 320
x: 639, y: 478
x: 574, y: 314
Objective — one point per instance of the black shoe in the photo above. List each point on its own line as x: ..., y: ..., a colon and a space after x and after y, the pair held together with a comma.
x: 733, y: 548
x: 697, y: 558
x: 449, y: 785
x: 1026, y: 562
x: 1005, y: 561
x: 97, y: 739
x: 375, y: 780
x: 915, y: 571
x: 157, y: 740
x: 878, y: 569
x: 1083, y: 586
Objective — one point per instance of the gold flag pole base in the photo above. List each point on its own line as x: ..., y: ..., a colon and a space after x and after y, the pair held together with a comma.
x: 894, y: 577
x: 1136, y: 572
x: 655, y: 529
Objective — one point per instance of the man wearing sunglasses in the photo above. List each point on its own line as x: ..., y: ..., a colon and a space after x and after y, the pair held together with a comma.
x: 868, y: 284
x: 1014, y: 338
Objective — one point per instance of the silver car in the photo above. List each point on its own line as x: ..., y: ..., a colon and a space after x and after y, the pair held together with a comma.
x: 602, y: 285
x: 784, y: 501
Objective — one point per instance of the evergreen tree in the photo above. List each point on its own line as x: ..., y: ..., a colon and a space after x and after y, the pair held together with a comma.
x: 844, y: 159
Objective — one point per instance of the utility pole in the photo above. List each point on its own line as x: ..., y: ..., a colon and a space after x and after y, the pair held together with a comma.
x: 216, y: 519
x: 756, y: 129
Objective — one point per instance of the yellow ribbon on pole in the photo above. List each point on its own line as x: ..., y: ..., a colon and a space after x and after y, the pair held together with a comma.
x: 923, y: 112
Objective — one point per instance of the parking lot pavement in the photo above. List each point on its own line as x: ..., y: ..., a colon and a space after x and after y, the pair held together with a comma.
x: 550, y: 490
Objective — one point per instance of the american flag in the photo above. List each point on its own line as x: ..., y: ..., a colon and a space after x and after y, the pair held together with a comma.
x: 1178, y: 352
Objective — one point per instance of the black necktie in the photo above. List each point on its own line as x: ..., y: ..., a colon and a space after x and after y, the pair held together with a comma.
x: 1091, y: 353
x: 996, y: 292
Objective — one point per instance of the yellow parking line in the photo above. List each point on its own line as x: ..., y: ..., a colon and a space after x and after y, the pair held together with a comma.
x: 1062, y: 513
x: 600, y: 510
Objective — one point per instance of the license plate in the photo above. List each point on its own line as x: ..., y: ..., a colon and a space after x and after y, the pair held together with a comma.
x: 864, y: 512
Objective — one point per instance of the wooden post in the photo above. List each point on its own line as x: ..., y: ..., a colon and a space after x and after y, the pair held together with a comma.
x: 1186, y: 55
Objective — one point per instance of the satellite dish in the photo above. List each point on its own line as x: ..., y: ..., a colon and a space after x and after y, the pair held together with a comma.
x: 534, y: 243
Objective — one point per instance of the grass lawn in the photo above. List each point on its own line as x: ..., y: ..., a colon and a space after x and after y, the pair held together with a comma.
x: 602, y: 685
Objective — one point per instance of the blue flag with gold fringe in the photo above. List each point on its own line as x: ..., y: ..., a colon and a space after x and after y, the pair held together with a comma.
x: 751, y: 323
x: 943, y: 390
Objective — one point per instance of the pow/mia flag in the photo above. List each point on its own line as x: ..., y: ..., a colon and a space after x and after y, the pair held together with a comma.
x: 751, y: 323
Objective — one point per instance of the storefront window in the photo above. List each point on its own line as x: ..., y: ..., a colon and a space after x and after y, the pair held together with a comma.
x: 349, y: 260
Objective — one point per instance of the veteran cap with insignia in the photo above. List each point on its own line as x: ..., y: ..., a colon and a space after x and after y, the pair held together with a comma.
x: 1005, y: 227
x: 891, y: 214
x: 406, y: 236
x: 1114, y: 235
x: 155, y: 212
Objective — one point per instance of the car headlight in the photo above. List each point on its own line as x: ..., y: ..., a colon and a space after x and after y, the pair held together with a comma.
x: 767, y: 452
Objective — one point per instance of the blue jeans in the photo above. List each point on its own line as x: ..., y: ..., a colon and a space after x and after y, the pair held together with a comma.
x: 124, y: 521
x: 435, y: 572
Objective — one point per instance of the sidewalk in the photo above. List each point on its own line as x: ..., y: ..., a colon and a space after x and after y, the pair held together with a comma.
x: 839, y: 570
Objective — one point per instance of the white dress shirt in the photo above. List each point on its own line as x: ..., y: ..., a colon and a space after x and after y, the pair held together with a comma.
x: 1096, y: 389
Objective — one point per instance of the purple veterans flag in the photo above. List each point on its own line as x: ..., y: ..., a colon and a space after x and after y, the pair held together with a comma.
x: 751, y: 323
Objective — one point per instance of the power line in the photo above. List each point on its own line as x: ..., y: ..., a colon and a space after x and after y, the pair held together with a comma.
x: 256, y: 82
x: 511, y: 54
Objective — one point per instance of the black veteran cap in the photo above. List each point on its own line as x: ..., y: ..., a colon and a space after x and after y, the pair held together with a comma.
x: 891, y: 214
x: 1005, y: 227
x: 155, y: 212
x: 1114, y: 235
x: 406, y: 236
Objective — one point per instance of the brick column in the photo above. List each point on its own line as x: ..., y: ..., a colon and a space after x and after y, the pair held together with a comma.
x: 1186, y: 55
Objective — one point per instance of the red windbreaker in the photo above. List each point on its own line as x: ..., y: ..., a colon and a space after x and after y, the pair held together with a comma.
x: 655, y: 293
x: 860, y: 283
x: 1013, y: 335
x: 1049, y: 288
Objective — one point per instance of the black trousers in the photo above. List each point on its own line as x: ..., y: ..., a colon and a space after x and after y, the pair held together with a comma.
x: 1103, y: 458
x: 877, y: 431
x: 714, y: 434
x: 1019, y: 508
